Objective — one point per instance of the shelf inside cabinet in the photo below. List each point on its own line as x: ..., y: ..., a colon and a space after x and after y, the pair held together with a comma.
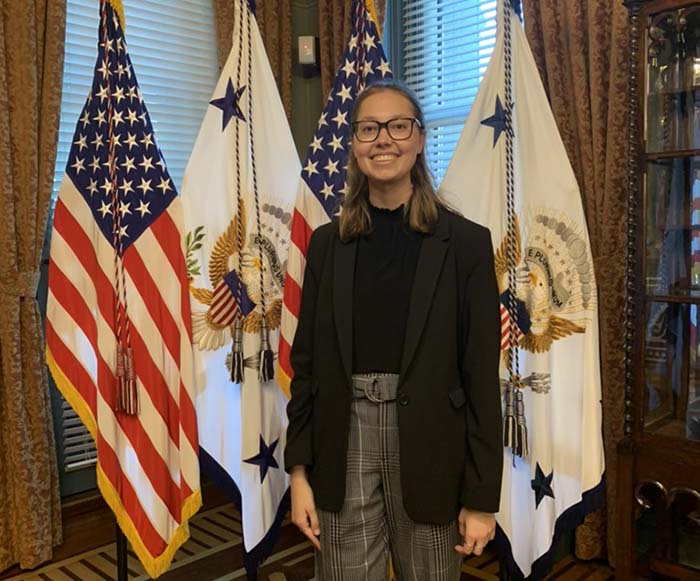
x: 674, y: 91
x: 689, y: 296
x: 677, y: 227
x: 652, y: 156
x: 673, y: 428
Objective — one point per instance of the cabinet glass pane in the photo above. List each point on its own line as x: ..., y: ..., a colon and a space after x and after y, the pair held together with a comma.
x: 673, y: 80
x: 672, y: 370
x: 673, y: 227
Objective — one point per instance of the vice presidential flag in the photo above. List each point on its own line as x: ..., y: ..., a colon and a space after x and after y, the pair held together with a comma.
x: 510, y: 172
x: 118, y: 339
x: 238, y: 190
x: 322, y: 184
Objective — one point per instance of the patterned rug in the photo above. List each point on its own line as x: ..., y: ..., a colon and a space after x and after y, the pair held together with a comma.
x: 214, y: 553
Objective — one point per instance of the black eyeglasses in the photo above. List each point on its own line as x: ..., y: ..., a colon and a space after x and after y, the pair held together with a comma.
x: 399, y: 129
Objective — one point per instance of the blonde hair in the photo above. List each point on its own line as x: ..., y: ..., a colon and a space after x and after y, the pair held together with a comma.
x: 421, y: 211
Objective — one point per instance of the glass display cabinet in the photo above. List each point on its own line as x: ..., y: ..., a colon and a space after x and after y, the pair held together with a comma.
x: 658, y: 476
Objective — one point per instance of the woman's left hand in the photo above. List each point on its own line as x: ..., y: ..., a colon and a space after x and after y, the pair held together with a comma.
x: 476, y: 529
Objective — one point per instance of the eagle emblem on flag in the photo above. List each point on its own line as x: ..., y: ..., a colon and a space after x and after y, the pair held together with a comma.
x: 229, y: 295
x: 554, y: 282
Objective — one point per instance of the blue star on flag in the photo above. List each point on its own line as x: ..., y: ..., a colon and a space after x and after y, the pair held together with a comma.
x: 230, y: 104
x: 265, y: 458
x: 517, y: 7
x: 542, y: 485
x: 497, y: 121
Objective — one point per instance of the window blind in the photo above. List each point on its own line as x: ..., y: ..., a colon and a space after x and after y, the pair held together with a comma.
x: 445, y: 47
x: 173, y: 50
x: 76, y: 442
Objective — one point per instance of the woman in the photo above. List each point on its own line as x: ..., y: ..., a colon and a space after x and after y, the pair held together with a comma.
x: 394, y: 438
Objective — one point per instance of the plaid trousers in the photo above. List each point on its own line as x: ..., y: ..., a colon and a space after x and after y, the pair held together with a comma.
x: 356, y: 542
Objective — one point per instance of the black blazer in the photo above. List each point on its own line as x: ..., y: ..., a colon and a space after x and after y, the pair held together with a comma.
x: 450, y: 427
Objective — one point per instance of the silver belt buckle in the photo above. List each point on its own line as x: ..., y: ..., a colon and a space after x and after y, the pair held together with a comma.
x: 372, y: 395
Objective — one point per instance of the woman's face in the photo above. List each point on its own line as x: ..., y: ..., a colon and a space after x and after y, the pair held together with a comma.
x: 385, y: 161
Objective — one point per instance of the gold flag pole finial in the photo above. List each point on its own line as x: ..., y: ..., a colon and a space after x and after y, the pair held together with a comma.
x: 371, y: 8
x: 118, y: 7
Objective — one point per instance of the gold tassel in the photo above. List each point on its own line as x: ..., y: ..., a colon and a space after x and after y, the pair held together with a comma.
x: 132, y: 402
x: 267, y: 357
x: 121, y: 379
x: 237, y: 372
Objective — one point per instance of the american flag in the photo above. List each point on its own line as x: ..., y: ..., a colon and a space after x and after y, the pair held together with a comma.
x: 117, y: 282
x: 522, y: 323
x: 322, y: 185
x: 505, y: 329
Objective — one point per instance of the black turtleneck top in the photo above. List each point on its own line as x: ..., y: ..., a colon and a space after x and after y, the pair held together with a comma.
x: 384, y: 270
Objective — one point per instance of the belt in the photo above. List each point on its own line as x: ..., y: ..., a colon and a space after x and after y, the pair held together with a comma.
x: 376, y: 387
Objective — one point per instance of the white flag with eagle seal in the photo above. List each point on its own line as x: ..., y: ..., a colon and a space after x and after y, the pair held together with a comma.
x: 510, y: 172
x: 239, y: 191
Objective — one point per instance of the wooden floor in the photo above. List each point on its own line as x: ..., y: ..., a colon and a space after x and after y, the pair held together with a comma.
x: 214, y: 553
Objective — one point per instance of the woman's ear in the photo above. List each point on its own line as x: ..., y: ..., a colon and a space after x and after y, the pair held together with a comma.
x: 423, y: 136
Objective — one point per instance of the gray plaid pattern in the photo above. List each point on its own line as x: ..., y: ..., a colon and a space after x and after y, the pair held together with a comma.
x: 356, y: 542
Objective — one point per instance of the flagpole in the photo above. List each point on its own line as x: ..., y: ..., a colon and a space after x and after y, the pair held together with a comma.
x: 121, y: 556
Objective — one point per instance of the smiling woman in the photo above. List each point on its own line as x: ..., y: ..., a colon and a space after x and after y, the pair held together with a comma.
x: 387, y: 166
x: 386, y: 147
x: 395, y: 362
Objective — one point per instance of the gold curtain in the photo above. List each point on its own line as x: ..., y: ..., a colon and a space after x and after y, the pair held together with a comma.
x: 581, y: 51
x: 380, y: 8
x: 335, y: 25
x: 274, y: 19
x: 31, y: 68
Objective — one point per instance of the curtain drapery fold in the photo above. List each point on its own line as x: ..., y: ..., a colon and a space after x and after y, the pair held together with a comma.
x: 31, y: 69
x: 581, y: 50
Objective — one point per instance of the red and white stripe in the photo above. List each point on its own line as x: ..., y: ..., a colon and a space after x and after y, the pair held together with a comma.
x: 309, y: 214
x: 505, y: 329
x: 224, y: 308
x: 148, y: 463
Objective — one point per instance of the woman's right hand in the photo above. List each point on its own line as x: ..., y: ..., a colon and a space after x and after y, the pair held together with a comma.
x: 303, y: 508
